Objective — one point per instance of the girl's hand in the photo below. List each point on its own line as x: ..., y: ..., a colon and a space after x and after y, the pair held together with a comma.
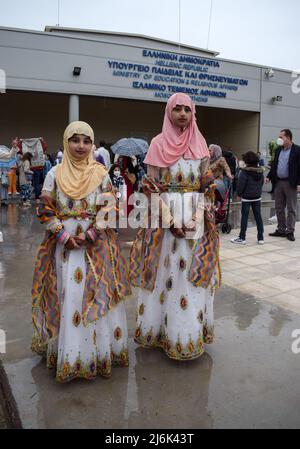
x: 71, y: 244
x: 80, y: 239
x: 177, y: 232
x: 190, y: 227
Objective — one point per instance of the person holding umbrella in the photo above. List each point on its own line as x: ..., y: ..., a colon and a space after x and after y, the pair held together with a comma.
x: 126, y: 150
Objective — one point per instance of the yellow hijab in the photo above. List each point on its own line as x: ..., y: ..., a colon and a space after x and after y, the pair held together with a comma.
x: 78, y: 178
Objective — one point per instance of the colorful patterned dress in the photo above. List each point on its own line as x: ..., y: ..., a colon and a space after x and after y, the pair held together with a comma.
x: 177, y: 315
x: 84, y: 331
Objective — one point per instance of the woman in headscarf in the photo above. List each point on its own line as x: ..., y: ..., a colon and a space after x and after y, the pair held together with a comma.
x: 219, y: 168
x: 177, y: 268
x: 80, y: 278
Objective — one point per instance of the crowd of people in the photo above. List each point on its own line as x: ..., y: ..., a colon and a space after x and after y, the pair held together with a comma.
x: 81, y: 277
x: 23, y: 180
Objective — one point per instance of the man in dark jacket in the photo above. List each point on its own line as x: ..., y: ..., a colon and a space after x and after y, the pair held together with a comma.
x: 285, y: 176
x: 249, y: 189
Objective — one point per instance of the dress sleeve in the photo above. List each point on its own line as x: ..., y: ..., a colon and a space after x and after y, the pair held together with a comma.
x: 49, y: 183
x: 47, y: 210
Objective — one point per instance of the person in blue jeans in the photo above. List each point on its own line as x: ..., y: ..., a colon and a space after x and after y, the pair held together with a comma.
x: 249, y: 189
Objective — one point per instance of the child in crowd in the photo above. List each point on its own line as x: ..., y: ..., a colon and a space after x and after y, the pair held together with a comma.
x: 120, y: 189
x: 25, y: 179
x: 3, y: 186
x: 249, y: 189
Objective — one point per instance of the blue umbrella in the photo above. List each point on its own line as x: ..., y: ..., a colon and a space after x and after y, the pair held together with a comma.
x: 130, y: 147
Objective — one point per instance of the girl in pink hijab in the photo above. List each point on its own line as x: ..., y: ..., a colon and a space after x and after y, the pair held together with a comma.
x: 176, y: 265
x: 180, y: 136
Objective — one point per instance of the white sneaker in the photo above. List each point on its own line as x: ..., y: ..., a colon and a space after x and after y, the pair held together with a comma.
x: 273, y: 219
x: 261, y: 242
x: 238, y: 241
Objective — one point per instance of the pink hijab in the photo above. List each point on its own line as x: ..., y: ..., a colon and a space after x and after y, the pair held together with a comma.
x: 172, y: 144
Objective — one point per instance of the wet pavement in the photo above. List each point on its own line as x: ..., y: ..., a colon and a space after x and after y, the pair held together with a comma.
x: 249, y: 378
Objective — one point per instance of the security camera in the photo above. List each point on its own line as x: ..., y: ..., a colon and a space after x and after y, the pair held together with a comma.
x: 278, y: 98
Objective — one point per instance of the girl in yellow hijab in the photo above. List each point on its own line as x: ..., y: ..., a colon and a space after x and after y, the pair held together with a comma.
x: 80, y: 278
x: 79, y: 174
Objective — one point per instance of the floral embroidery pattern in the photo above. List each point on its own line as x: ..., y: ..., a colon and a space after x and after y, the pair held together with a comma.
x: 169, y: 284
x: 167, y: 261
x: 174, y: 246
x: 138, y: 332
x: 76, y: 320
x: 51, y: 360
x: 89, y: 370
x: 208, y: 334
x: 183, y: 303
x: 200, y: 316
x: 177, y: 351
x: 162, y: 297
x: 182, y: 264
x: 70, y: 208
x: 118, y: 333
x: 78, y: 275
x: 141, y: 309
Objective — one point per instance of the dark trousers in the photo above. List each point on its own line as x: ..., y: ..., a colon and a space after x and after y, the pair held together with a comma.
x: 25, y: 192
x: 38, y: 179
x: 257, y: 215
x: 285, y: 198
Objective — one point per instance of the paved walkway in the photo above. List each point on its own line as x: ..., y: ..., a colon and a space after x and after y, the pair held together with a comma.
x: 249, y: 378
x: 270, y: 272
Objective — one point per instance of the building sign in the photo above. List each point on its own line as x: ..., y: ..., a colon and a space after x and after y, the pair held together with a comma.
x: 165, y: 73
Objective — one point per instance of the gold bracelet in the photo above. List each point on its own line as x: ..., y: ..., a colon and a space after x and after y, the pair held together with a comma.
x: 58, y: 228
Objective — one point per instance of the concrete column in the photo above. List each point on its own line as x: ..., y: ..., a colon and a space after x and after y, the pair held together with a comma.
x: 73, y: 108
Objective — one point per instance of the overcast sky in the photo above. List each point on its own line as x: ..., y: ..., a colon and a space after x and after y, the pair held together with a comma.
x: 265, y: 32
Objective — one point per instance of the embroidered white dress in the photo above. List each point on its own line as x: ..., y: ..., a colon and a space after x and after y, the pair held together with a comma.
x: 82, y: 351
x: 176, y: 315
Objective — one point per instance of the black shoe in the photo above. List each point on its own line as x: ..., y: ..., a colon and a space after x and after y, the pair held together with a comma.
x: 277, y: 234
x: 290, y: 237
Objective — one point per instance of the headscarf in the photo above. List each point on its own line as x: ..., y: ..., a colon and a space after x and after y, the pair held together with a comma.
x: 172, y: 144
x: 78, y: 178
x: 217, y: 152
